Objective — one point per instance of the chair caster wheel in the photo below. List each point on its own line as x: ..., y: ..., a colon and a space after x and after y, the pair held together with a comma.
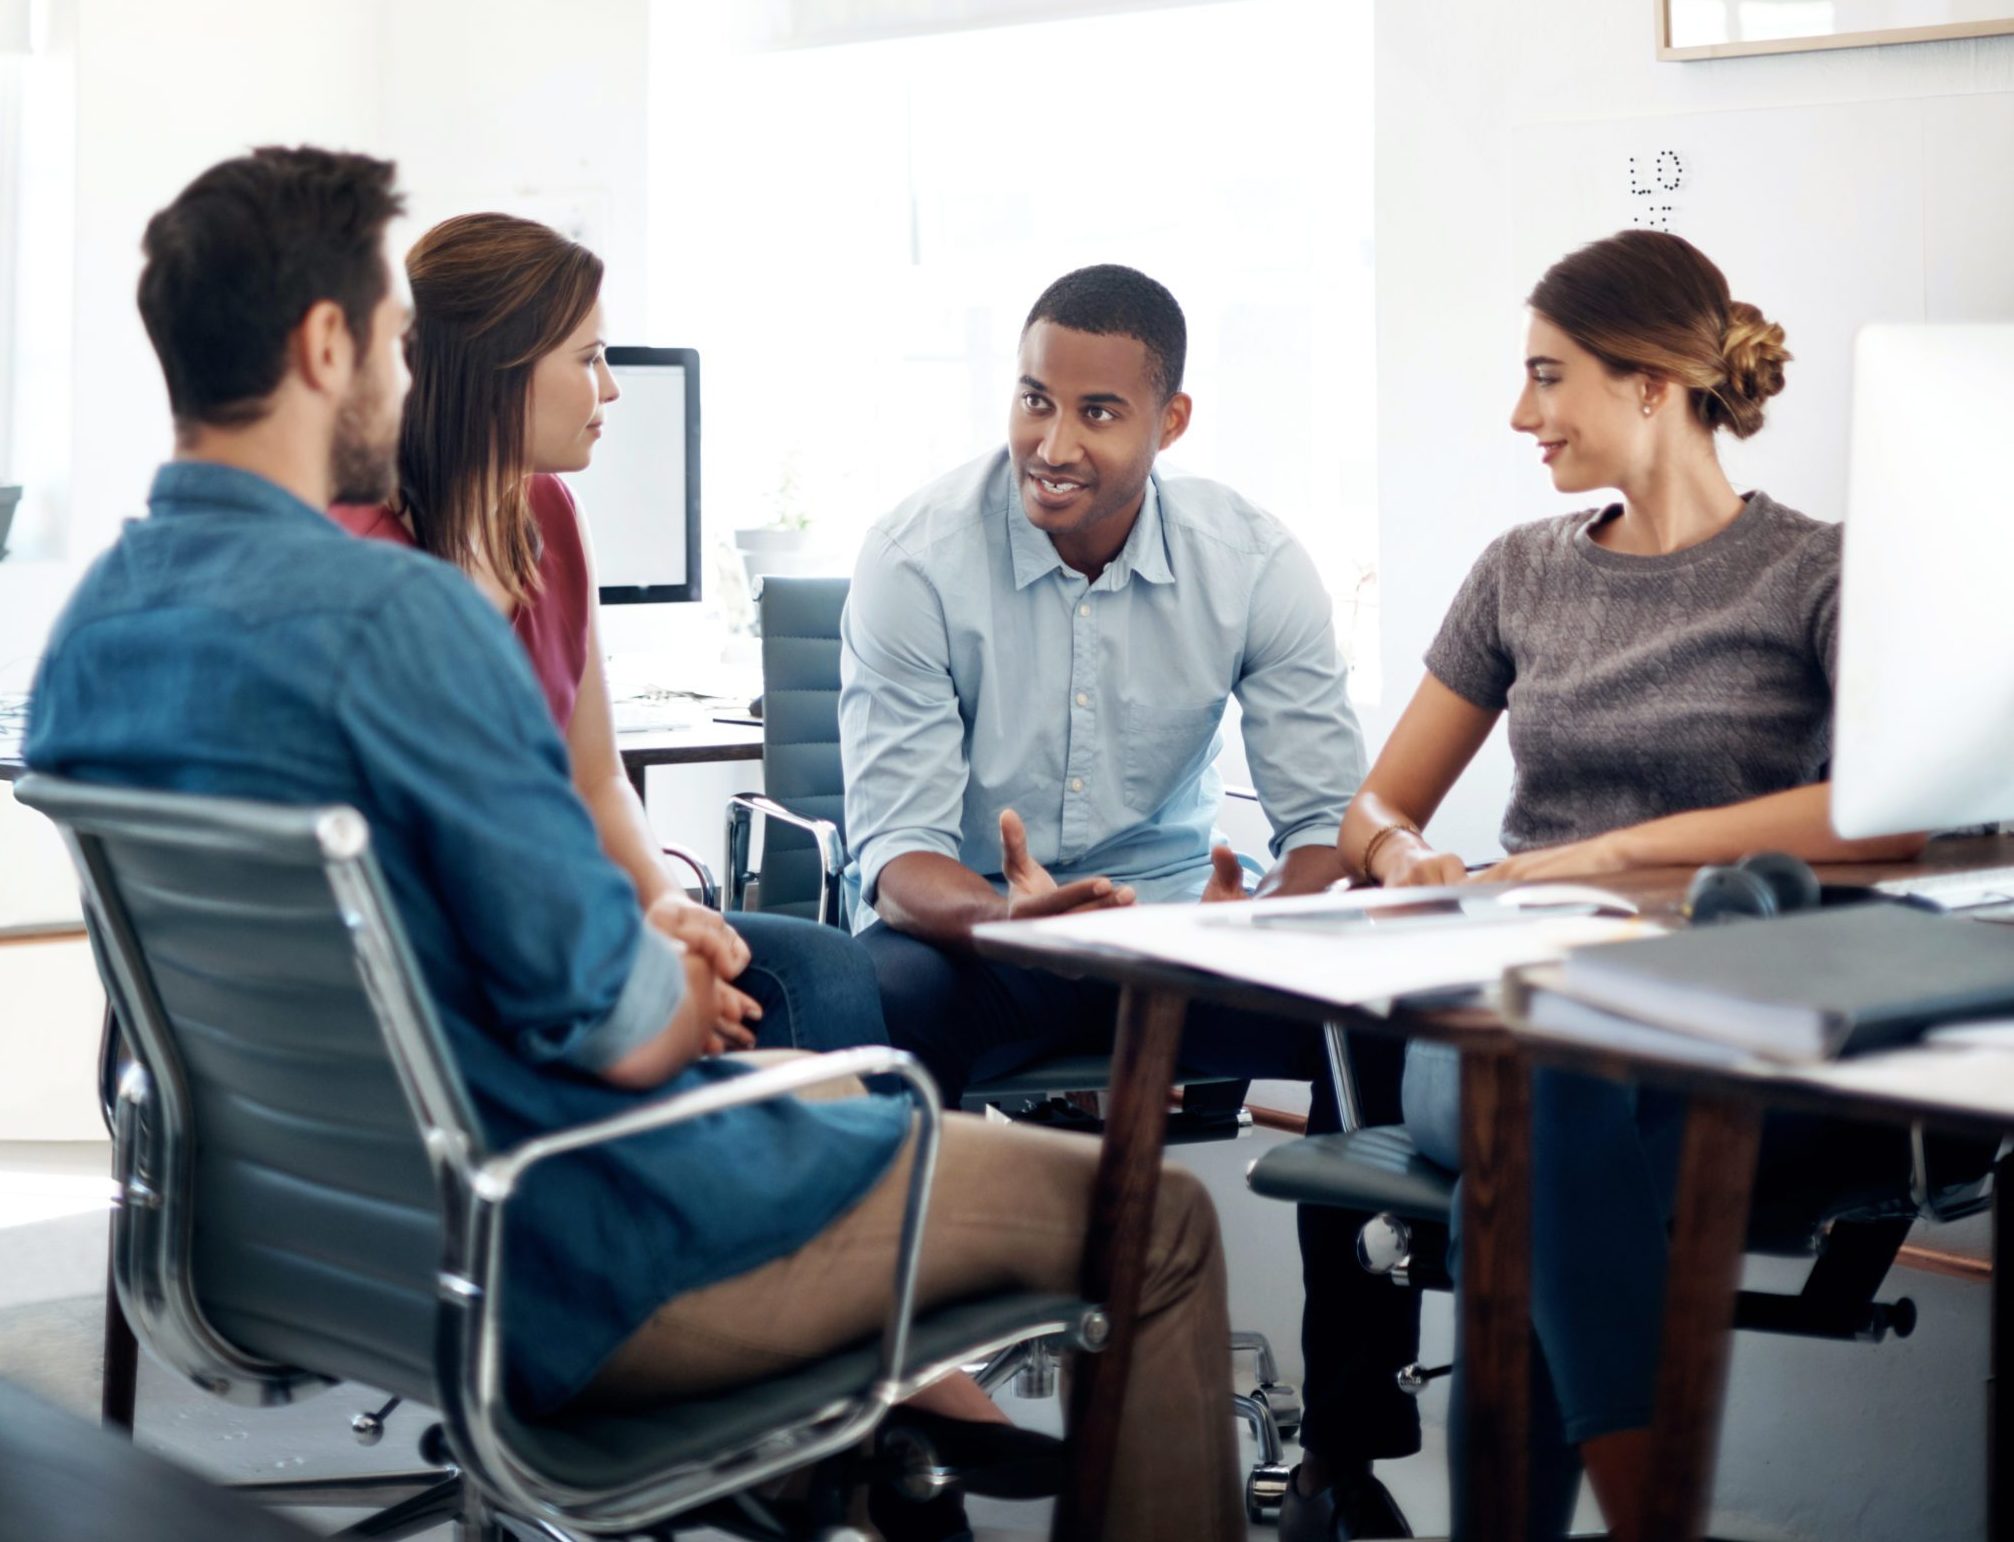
x: 434, y: 1447
x: 1266, y: 1491
x: 1283, y: 1403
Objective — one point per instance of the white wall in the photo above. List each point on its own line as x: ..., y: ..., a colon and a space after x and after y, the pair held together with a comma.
x: 162, y: 92
x: 512, y: 103
x: 527, y: 105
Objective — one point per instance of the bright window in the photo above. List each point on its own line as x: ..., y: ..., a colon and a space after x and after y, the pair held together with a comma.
x: 852, y: 234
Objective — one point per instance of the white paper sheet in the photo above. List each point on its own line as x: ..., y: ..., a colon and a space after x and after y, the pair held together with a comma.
x: 1347, y: 967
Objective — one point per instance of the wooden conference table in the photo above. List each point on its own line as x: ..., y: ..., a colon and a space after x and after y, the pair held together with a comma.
x: 1715, y: 1178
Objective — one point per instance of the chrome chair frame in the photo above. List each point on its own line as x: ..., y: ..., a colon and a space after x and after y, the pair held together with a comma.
x: 709, y: 886
x: 1386, y: 1243
x: 154, y: 1144
x: 742, y: 810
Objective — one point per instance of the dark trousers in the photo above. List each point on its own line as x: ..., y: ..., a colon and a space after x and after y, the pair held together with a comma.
x: 968, y: 1019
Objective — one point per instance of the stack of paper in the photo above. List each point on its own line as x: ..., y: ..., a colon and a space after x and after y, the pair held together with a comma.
x: 1289, y: 944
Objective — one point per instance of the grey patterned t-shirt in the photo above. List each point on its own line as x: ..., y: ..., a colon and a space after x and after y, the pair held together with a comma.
x: 1643, y: 686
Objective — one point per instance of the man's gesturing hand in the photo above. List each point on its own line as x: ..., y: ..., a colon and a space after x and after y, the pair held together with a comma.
x: 1227, y: 877
x: 1032, y: 892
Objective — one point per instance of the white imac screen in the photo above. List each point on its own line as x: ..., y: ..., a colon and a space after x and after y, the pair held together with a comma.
x: 632, y: 494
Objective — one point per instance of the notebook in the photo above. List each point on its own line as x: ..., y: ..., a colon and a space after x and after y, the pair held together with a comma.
x: 1805, y: 987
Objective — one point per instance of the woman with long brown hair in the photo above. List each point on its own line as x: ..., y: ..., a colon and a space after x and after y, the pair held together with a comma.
x: 1665, y: 663
x: 510, y: 390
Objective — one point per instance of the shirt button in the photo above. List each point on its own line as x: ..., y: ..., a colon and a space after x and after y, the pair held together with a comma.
x: 1083, y: 698
x: 1076, y: 784
x: 1084, y: 609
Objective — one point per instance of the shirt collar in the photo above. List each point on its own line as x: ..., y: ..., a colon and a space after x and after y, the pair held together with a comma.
x: 1145, y: 554
x: 186, y: 487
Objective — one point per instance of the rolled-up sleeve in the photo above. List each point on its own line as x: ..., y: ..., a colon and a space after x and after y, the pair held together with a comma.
x: 901, y: 740
x: 1302, y: 740
x: 456, y: 744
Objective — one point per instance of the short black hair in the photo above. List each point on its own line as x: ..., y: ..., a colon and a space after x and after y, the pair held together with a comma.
x: 243, y: 253
x: 1109, y: 299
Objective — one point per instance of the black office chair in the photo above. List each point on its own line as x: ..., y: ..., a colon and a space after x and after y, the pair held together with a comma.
x: 802, y: 873
x: 304, y: 1195
x: 1851, y: 1232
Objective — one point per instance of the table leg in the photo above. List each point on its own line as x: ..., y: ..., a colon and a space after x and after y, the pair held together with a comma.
x: 1999, y: 1411
x: 1709, y: 1229
x: 1115, y: 1253
x: 1496, y: 1289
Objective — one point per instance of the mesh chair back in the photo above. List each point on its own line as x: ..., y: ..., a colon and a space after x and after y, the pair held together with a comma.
x: 296, y: 1205
x: 800, y: 732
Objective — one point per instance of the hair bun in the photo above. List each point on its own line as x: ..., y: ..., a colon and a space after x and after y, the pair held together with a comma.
x: 1752, y: 353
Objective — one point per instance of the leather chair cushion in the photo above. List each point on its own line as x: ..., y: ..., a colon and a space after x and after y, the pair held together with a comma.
x: 607, y: 1451
x: 1373, y: 1169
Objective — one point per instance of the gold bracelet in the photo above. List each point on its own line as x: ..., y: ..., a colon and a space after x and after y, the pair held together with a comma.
x: 1371, y: 847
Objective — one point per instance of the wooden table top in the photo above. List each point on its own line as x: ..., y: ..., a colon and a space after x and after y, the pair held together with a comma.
x: 1658, y: 892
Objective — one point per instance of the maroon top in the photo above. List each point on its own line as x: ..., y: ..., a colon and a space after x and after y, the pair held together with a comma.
x: 553, y: 623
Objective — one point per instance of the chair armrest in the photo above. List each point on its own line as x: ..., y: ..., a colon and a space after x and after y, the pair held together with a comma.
x: 741, y: 811
x: 1945, y: 1197
x: 492, y: 1184
x: 709, y: 886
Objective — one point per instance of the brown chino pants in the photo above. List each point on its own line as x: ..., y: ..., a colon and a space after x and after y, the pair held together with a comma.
x: 1008, y: 1211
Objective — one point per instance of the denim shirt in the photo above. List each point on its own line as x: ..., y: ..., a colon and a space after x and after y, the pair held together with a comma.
x: 239, y: 643
x: 979, y: 673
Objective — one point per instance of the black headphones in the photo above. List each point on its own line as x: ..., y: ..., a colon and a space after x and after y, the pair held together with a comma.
x: 1767, y: 883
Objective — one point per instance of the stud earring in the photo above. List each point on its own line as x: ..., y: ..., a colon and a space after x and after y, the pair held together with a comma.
x: 1646, y: 409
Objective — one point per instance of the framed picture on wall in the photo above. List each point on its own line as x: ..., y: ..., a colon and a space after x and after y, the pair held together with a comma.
x: 1720, y: 29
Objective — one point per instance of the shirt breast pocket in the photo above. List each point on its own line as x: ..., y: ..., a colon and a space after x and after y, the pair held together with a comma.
x: 1166, y: 748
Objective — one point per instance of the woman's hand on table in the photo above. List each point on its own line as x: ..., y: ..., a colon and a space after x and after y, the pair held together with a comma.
x: 1419, y: 865
x: 1576, y: 859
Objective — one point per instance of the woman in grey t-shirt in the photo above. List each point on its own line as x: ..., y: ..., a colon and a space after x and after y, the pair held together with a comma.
x: 1666, y: 665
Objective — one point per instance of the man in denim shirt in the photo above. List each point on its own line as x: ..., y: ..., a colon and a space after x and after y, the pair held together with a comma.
x: 237, y: 642
x: 1036, y: 657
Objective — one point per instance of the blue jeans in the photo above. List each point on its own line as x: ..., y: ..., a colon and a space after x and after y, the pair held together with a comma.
x: 814, y: 984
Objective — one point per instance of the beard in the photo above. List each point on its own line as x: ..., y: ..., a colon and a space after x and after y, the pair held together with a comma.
x: 364, y: 460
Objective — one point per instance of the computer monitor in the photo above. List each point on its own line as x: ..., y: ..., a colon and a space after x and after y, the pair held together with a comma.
x: 641, y: 494
x: 1924, y: 737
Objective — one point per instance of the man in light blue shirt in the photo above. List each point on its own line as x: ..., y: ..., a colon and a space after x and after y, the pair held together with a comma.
x: 1036, y: 656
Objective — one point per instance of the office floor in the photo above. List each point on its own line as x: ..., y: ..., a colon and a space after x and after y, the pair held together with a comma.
x: 52, y: 1235
x: 1833, y: 1441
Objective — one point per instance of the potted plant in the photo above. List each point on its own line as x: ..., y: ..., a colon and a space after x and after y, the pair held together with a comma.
x: 783, y: 543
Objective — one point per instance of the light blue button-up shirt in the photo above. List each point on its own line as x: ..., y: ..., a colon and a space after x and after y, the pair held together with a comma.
x: 979, y: 673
